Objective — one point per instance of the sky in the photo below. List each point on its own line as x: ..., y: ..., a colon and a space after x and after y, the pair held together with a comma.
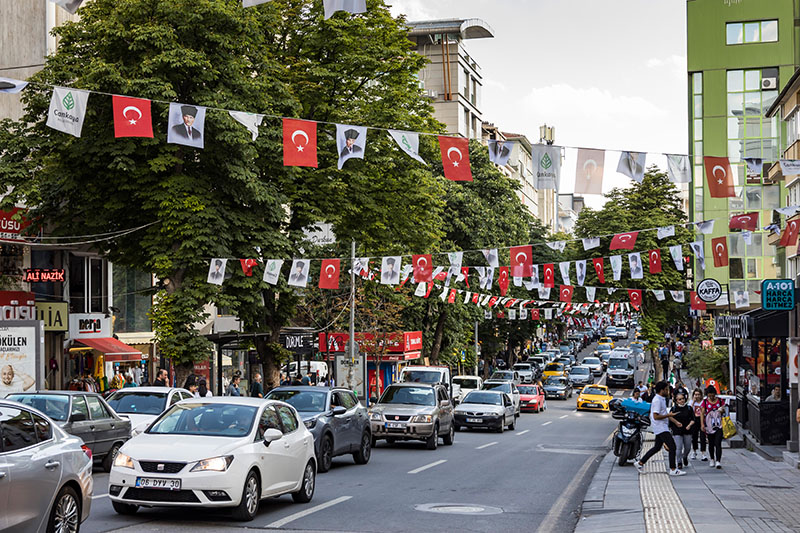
x: 607, y: 74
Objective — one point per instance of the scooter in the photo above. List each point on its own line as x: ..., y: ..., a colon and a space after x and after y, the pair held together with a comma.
x: 629, y: 438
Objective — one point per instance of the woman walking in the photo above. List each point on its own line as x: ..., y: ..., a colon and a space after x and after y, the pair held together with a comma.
x: 713, y: 409
x: 697, y: 434
x: 682, y: 432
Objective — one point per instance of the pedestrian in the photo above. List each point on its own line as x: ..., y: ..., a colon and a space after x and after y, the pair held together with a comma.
x: 233, y: 388
x: 680, y: 389
x: 257, y: 389
x: 677, y: 364
x: 307, y: 381
x: 641, y: 387
x: 636, y: 396
x: 659, y: 425
x: 663, y: 354
x: 202, y: 389
x: 697, y: 434
x: 129, y: 382
x: 712, y: 411
x: 161, y: 378
x: 296, y: 381
x: 684, y: 415
x: 191, y: 384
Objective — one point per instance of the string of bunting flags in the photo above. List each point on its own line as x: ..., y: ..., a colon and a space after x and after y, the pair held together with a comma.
x: 330, y: 6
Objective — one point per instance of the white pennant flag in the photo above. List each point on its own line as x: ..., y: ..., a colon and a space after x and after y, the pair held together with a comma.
x: 546, y: 166
x: 438, y: 270
x: 790, y: 167
x: 351, y: 6
x: 635, y: 263
x: 659, y: 295
x: 467, y: 296
x: 408, y: 141
x: 523, y: 314
x: 299, y: 273
x: 251, y: 3
x: 699, y: 252
x: 405, y: 273
x: 71, y: 6
x: 535, y: 276
x: 741, y: 299
x: 788, y: 211
x: 580, y: 269
x: 422, y: 288
x: 678, y: 296
x: 632, y: 164
x: 564, y: 267
x: 548, y: 314
x: 747, y: 237
x: 456, y: 258
x: 492, y: 257
x: 272, y: 271
x: 705, y: 227
x: 544, y: 294
x: 487, y: 281
x: 679, y: 168
x: 512, y: 314
x: 67, y: 110
x: 443, y: 296
x: 616, y: 266
x: 11, y: 86
x: 611, y: 290
x: 590, y: 293
x: 517, y: 281
x: 677, y: 256
x: 591, y: 242
x: 485, y: 299
x: 529, y: 285
x: 251, y: 121
x: 666, y: 231
x: 558, y: 245
x: 481, y: 276
x: 216, y: 271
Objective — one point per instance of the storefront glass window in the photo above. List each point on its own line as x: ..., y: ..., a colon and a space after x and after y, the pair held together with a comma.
x: 133, y: 298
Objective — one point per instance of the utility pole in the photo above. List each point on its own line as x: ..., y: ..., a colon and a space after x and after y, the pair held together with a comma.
x: 353, y: 302
x: 477, y: 355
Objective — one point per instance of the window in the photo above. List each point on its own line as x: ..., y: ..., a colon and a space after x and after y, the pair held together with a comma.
x: 288, y: 419
x: 269, y: 420
x: 79, y: 407
x: 764, y: 31
x: 132, y: 298
x: 16, y: 429
x: 346, y: 400
x: 43, y: 429
x: 87, y: 284
x: 97, y: 409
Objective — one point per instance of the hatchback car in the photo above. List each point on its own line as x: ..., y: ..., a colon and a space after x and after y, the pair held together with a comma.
x: 413, y: 411
x: 508, y: 388
x: 594, y: 397
x: 525, y: 372
x: 85, y: 415
x: 557, y: 387
x: 223, y: 452
x: 579, y: 376
x: 531, y: 398
x: 45, y: 473
x: 142, y: 405
x: 554, y: 370
x: 485, y: 409
x: 506, y: 375
x: 335, y: 417
x: 595, y: 365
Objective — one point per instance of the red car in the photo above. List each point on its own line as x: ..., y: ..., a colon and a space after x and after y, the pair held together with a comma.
x: 531, y: 398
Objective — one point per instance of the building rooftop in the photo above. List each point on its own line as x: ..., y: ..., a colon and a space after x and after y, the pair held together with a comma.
x: 467, y: 28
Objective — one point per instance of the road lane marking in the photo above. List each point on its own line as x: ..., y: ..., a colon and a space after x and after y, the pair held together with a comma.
x: 523, y: 432
x: 296, y: 516
x: 565, y: 416
x: 486, y: 445
x: 546, y: 423
x: 431, y: 465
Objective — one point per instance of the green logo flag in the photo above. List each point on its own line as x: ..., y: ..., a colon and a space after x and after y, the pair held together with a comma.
x: 547, y: 166
x: 408, y: 142
x: 67, y: 110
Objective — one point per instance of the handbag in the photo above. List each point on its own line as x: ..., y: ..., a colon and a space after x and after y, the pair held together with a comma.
x: 728, y: 427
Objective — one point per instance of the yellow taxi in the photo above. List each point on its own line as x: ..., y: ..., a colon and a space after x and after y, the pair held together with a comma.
x: 554, y: 369
x: 606, y: 340
x: 594, y: 398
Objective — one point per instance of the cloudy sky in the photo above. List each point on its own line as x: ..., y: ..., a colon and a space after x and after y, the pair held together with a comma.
x: 607, y: 74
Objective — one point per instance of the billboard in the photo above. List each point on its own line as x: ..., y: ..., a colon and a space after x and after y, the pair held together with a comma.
x: 21, y: 365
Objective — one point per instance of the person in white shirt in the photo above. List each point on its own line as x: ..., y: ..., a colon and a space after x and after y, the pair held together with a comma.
x: 659, y: 424
x: 636, y: 396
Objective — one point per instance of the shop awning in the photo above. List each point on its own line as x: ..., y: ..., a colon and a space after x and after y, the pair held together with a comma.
x: 113, y: 349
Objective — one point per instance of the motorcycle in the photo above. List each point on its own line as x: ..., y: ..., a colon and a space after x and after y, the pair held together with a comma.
x: 628, y: 438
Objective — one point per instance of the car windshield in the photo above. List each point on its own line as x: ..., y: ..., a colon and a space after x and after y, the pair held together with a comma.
x: 137, y: 402
x: 579, y: 370
x: 618, y: 363
x: 504, y: 387
x: 483, y: 397
x: 555, y: 381
x: 422, y: 376
x: 409, y: 395
x: 595, y: 390
x: 554, y: 367
x: 502, y: 375
x: 525, y: 368
x: 637, y: 348
x: 211, y: 420
x: 606, y: 356
x: 56, y: 406
x: 302, y: 400
x: 527, y: 389
x: 591, y: 361
x: 466, y: 383
x: 603, y: 348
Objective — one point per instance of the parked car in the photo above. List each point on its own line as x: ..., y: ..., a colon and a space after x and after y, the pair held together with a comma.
x: 413, y: 411
x: 142, y: 405
x: 506, y: 387
x: 506, y: 375
x: 85, y: 415
x: 557, y: 387
x: 45, y: 474
x: 336, y: 419
x: 579, y: 376
x: 220, y: 452
x: 466, y: 384
x: 524, y: 371
x: 531, y: 398
x: 487, y: 409
x: 595, y: 364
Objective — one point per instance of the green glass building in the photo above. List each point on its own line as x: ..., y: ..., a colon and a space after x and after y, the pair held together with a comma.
x: 740, y: 53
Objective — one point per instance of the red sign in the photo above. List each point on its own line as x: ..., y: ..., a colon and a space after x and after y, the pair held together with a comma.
x: 9, y: 228
x: 43, y: 275
x: 396, y: 342
x: 17, y: 305
x: 201, y: 369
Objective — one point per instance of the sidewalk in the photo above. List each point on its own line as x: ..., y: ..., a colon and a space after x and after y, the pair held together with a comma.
x: 749, y: 494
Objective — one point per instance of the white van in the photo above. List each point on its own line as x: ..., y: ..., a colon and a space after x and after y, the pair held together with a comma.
x: 315, y: 366
x: 431, y: 375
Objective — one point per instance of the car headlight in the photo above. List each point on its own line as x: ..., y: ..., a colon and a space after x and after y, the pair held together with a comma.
x: 375, y: 417
x: 423, y: 418
x: 310, y: 423
x: 215, y: 464
x: 123, y: 461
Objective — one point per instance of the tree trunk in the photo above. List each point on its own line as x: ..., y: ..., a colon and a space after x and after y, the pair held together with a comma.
x: 437, y: 337
x: 182, y: 371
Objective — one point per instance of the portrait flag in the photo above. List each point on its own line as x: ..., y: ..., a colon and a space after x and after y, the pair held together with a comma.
x: 741, y: 299
x: 500, y: 151
x: 699, y: 252
x: 789, y: 235
x: 502, y: 280
x: 746, y: 221
x: 720, y: 248
x: 70, y: 6
x: 548, y: 314
x: 351, y: 6
x: 329, y: 274
x: 565, y: 293
x: 659, y: 294
x: 589, y: 171
x: 491, y: 257
x: 747, y: 237
x: 423, y: 268
x: 481, y: 276
x: 549, y: 276
x: 67, y: 110
x: 635, y: 296
x: 599, y: 268
x: 678, y: 296
x: 546, y: 166
x: 654, y: 260
x: 696, y: 303
x: 635, y: 264
x: 521, y: 261
x: 132, y: 117
x: 298, y: 277
x: 616, y: 266
x: 351, y: 142
x: 755, y: 165
x: 590, y: 293
x: 186, y: 125
x: 272, y: 271
x: 216, y: 271
x: 455, y: 158
x: 299, y: 143
x: 706, y: 227
x: 719, y: 177
x: 664, y: 232
x: 251, y: 121
x: 361, y: 266
x: 580, y: 271
x: 563, y: 266
x: 632, y: 164
x: 11, y: 86
x: 624, y: 241
x: 535, y: 276
x: 591, y: 242
x: 679, y: 168
x: 408, y: 141
x: 247, y: 266
x: 557, y: 245
x: 677, y: 256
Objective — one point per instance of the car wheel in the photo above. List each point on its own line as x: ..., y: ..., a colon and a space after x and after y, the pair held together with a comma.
x: 251, y: 497
x: 306, y: 491
x: 124, y: 508
x: 501, y: 427
x: 66, y: 513
x: 451, y: 435
x: 432, y: 442
x: 108, y: 461
x: 361, y: 457
x: 325, y: 453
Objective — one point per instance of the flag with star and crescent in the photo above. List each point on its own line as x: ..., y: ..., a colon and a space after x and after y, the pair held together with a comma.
x: 423, y: 268
x: 132, y: 117
x: 329, y: 274
x: 299, y: 143
x: 521, y: 261
x: 720, y: 177
x: 455, y: 158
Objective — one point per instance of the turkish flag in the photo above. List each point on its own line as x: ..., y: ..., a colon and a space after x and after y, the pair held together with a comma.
x: 329, y: 274
x: 493, y: 301
x: 789, y: 235
x: 465, y: 273
x: 636, y: 298
x: 565, y: 293
x: 598, y: 267
x: 502, y: 280
x: 451, y: 298
x: 624, y: 241
x: 521, y: 261
x: 719, y: 177
x: 455, y: 158
x: 534, y: 314
x: 747, y: 221
x: 299, y: 143
x: 549, y: 276
x: 696, y: 303
x: 442, y: 275
x: 720, y: 248
x: 423, y: 268
x: 132, y: 117
x: 655, y: 261
x: 247, y: 266
x: 475, y: 298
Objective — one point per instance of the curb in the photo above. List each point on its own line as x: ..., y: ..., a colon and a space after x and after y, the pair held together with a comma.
x: 596, y: 493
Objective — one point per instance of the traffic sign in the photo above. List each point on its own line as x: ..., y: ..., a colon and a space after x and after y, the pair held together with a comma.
x: 709, y: 290
x: 777, y: 294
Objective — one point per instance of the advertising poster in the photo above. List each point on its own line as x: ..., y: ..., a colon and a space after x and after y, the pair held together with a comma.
x: 18, y: 359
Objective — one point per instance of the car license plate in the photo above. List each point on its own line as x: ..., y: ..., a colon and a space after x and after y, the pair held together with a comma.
x: 395, y: 425
x: 592, y: 405
x: 475, y: 420
x: 158, y: 483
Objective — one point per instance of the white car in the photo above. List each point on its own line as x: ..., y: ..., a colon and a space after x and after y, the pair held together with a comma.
x: 506, y: 387
x: 466, y: 384
x: 216, y: 452
x: 142, y: 405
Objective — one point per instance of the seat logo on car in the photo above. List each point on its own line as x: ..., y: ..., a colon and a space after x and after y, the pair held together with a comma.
x: 397, y: 418
x: 160, y: 467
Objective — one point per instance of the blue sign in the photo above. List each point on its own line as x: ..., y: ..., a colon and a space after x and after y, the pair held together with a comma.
x: 777, y: 294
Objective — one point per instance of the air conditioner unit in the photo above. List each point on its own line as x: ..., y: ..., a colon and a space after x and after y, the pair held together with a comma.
x: 431, y: 93
x: 768, y: 84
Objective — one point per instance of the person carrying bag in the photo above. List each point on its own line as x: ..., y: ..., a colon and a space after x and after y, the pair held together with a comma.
x: 713, y: 409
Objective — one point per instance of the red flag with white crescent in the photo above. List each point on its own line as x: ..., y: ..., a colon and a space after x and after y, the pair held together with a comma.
x: 329, y: 274
x: 475, y: 298
x: 423, y: 268
x: 549, y: 276
x: 599, y: 269
x: 624, y: 241
x: 534, y: 314
x: 521, y: 261
x: 247, y: 266
x: 719, y: 247
x: 493, y: 301
x: 636, y: 298
x: 655, y: 261
x: 565, y: 293
x: 719, y: 177
x: 747, y: 221
x: 132, y: 117
x: 451, y: 298
x: 455, y: 158
x: 299, y: 143
x: 465, y: 273
x: 502, y: 280
x: 789, y: 235
x: 696, y: 303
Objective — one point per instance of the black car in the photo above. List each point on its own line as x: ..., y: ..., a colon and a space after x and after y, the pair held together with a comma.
x: 335, y: 417
x: 85, y: 415
x: 557, y: 387
x: 580, y: 376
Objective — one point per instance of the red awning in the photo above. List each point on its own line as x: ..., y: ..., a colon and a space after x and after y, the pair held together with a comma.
x: 113, y: 349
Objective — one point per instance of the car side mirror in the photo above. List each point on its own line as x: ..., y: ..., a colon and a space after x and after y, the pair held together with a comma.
x: 339, y: 410
x: 444, y: 403
x: 271, y: 435
x: 77, y: 417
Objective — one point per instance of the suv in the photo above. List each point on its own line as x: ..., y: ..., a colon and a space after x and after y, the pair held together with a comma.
x: 505, y: 375
x: 525, y: 372
x: 413, y: 411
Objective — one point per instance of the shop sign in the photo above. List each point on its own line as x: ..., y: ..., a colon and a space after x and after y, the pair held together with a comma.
x: 89, y: 326
x: 777, y: 294
x: 20, y: 356
x: 709, y: 290
x: 17, y: 305
x: 43, y: 275
x: 299, y: 343
x: 735, y: 326
x: 54, y: 315
x: 10, y: 228
x: 394, y: 342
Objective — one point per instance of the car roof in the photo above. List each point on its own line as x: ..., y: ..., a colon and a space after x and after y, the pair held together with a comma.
x: 306, y: 388
x: 489, y: 391
x: 495, y: 381
x: 411, y: 384
x: 235, y: 400
x: 58, y: 392
x: 466, y: 376
x: 579, y: 366
x: 152, y: 389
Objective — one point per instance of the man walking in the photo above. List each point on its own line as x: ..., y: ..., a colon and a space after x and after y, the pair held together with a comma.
x: 659, y: 424
x: 257, y: 389
x: 663, y: 354
x: 161, y: 378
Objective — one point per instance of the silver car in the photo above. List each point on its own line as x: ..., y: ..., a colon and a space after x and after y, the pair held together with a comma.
x: 413, y: 411
x: 486, y: 409
x: 45, y: 474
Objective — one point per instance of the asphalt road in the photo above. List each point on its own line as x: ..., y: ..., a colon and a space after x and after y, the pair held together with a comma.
x: 533, y: 478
